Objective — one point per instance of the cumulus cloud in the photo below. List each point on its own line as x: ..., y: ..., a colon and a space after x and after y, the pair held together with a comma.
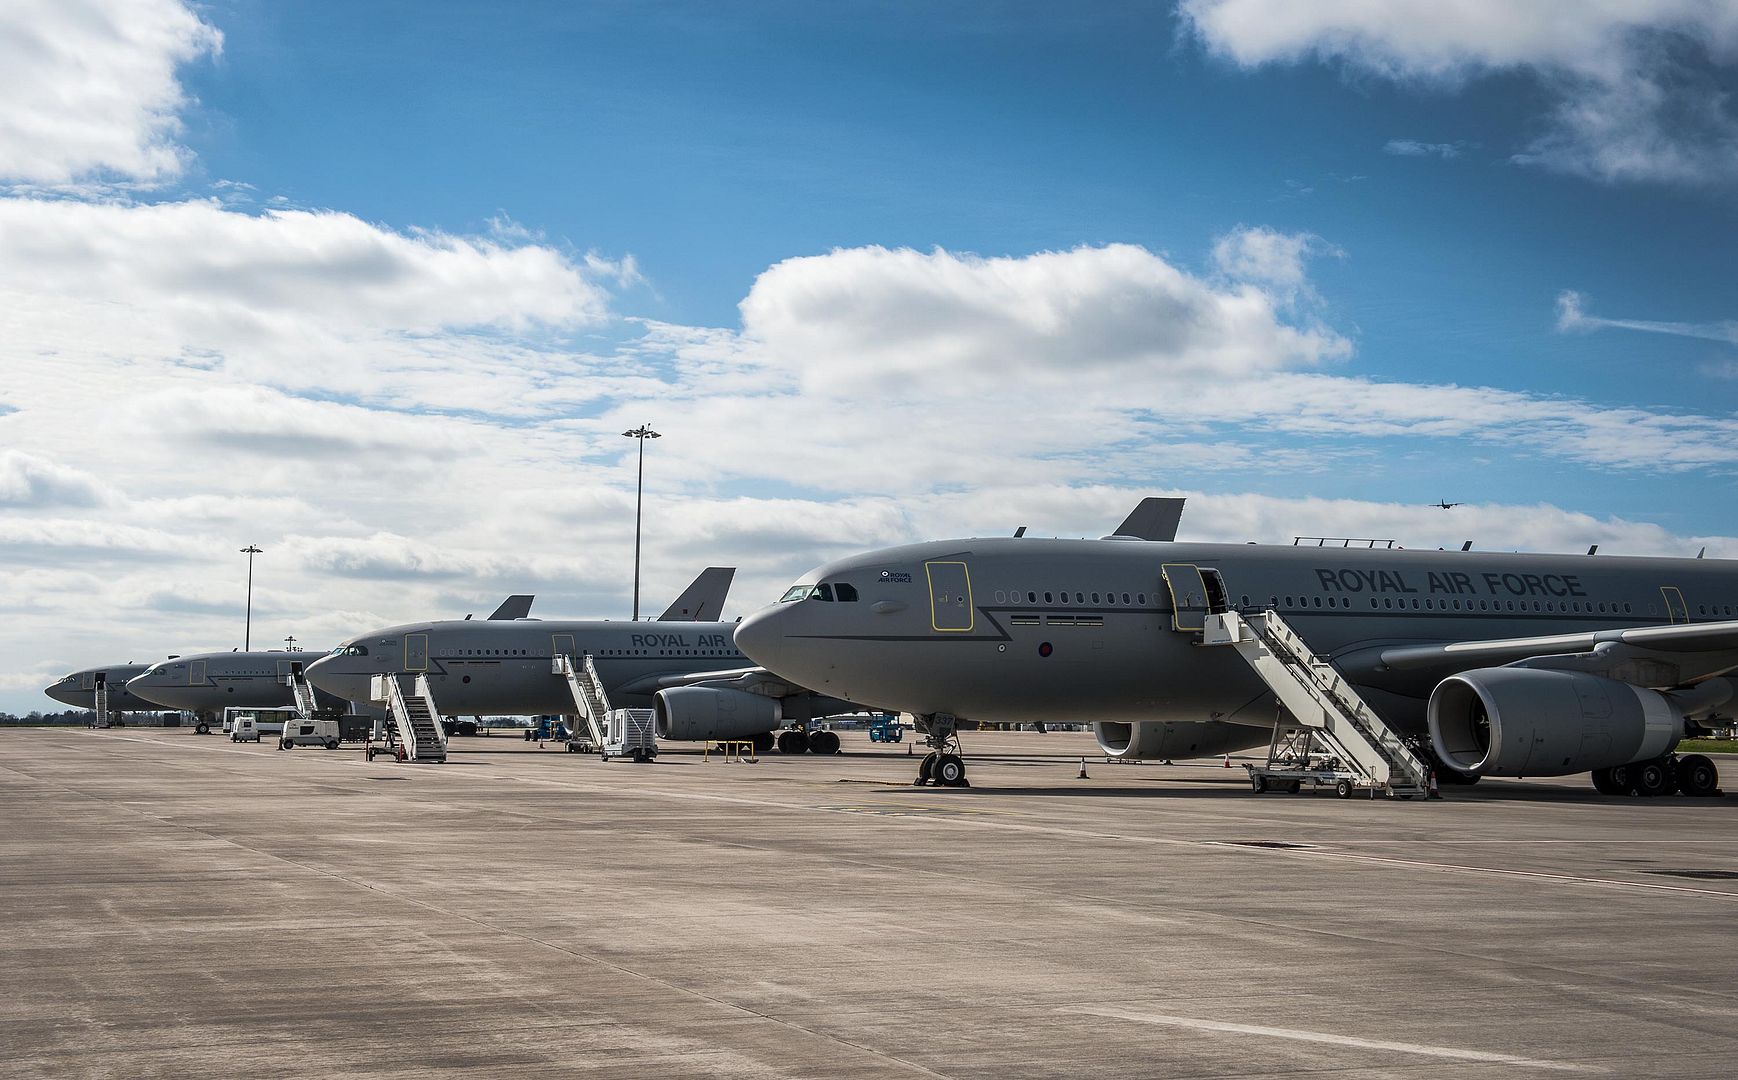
x: 90, y: 88
x: 1635, y: 96
x: 879, y: 317
x: 29, y: 481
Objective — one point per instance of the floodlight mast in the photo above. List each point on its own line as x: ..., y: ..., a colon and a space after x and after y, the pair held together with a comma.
x: 641, y: 433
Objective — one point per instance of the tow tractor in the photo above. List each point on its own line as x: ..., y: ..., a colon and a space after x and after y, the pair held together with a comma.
x: 885, y: 727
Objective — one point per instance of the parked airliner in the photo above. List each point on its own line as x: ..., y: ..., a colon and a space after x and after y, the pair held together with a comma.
x: 1513, y: 664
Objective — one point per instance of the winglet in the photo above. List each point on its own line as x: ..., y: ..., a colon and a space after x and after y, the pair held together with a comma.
x: 1153, y: 519
x: 702, y: 601
x: 514, y: 607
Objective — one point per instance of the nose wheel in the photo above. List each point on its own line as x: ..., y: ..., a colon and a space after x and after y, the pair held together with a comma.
x: 942, y: 766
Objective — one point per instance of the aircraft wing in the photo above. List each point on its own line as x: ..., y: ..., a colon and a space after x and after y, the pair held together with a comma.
x: 754, y: 680
x: 1657, y: 656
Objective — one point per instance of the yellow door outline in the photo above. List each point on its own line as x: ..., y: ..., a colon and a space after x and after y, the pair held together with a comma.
x: 966, y: 598
x: 422, y: 650
x: 1191, y: 580
x: 1675, y: 605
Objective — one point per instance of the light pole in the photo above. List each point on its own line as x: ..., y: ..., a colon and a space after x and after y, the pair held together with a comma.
x: 642, y: 433
x: 291, y: 642
x: 247, y: 635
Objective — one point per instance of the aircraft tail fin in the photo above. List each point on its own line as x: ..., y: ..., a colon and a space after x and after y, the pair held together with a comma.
x: 514, y: 607
x: 1153, y: 519
x: 702, y: 601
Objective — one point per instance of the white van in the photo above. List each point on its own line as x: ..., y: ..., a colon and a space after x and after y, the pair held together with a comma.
x: 309, y: 733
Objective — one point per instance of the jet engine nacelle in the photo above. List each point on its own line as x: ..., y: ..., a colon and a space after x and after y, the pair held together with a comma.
x: 698, y: 713
x: 1538, y: 722
x: 1184, y: 739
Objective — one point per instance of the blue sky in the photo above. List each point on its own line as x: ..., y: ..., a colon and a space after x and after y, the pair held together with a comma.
x: 376, y: 285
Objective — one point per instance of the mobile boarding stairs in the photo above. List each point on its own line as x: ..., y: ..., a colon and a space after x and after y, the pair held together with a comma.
x: 412, y: 729
x: 614, y: 733
x: 1326, y: 734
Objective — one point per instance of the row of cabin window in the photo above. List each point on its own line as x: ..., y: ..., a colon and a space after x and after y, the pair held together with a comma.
x: 1432, y: 604
x: 604, y: 652
x: 1012, y: 596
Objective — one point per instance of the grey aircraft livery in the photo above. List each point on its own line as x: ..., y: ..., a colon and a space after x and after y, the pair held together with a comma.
x: 1511, y: 664
x: 684, y: 666
x: 204, y: 684
x: 79, y: 689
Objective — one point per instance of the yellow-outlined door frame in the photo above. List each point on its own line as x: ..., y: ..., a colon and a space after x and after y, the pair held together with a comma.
x: 939, y: 598
x: 416, y: 657
x: 1190, y: 591
x: 1676, y: 610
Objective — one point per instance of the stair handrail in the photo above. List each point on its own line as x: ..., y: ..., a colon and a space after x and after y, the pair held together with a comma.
x: 1294, y: 652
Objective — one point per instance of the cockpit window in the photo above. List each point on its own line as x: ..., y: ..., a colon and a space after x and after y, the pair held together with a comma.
x: 847, y: 593
x: 795, y: 593
x: 824, y: 592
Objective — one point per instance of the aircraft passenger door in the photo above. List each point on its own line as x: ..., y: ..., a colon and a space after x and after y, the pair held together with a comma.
x: 563, y: 644
x: 950, y: 597
x: 1188, y: 590
x: 1676, y: 610
x: 416, y: 652
x: 196, y: 673
x: 284, y: 669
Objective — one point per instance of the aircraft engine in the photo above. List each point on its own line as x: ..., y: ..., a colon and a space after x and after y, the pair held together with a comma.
x: 1537, y: 722
x: 697, y: 713
x: 1164, y: 739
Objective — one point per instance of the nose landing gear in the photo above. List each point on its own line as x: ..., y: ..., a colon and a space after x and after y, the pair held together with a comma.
x: 942, y: 766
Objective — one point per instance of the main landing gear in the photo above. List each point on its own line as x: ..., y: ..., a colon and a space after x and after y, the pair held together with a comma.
x: 798, y: 740
x: 1689, y: 774
x: 942, y: 766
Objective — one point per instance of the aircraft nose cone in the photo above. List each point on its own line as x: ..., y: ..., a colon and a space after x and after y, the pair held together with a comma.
x: 330, y: 675
x: 759, y: 636
x: 58, y: 694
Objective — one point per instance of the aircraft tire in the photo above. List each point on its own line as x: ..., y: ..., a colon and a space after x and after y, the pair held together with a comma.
x: 1605, y: 785
x: 1654, y: 778
x: 793, y: 741
x: 824, y: 742
x: 949, y: 770
x: 925, y: 769
x: 202, y: 729
x: 1623, y: 779
x: 1697, y: 776
x: 764, y: 742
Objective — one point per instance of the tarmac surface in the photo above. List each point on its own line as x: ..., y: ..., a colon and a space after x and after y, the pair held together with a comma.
x: 178, y: 905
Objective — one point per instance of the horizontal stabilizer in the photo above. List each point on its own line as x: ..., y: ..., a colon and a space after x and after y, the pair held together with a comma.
x: 1153, y: 519
x: 703, y: 601
x: 514, y: 607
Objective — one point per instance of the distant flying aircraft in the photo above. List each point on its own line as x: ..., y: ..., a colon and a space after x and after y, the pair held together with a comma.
x: 1441, y: 505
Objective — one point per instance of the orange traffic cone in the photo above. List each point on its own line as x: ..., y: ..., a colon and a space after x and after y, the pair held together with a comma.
x: 1227, y: 761
x: 1082, y: 775
x: 1431, y: 791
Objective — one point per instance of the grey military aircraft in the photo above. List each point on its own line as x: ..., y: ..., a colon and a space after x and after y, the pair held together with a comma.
x: 206, y: 683
x: 79, y: 690
x: 1512, y: 664
x: 683, y: 665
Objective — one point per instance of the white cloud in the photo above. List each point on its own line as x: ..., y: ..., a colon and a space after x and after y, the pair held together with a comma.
x: 892, y: 319
x: 1572, y: 317
x: 89, y: 88
x: 27, y: 480
x: 1635, y: 98
x: 1268, y: 257
x: 1415, y: 148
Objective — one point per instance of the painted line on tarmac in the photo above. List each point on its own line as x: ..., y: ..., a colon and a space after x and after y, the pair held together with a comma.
x: 1298, y: 1035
